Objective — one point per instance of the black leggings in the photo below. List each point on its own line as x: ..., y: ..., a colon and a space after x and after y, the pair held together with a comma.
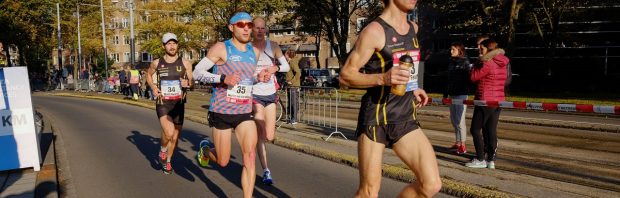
x: 485, y: 119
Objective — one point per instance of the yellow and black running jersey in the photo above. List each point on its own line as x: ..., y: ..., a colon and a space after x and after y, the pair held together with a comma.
x: 379, y: 106
x: 169, y: 81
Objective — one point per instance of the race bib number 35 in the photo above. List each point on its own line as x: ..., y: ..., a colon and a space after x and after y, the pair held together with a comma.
x: 413, y: 77
x: 240, y: 93
x: 171, y: 89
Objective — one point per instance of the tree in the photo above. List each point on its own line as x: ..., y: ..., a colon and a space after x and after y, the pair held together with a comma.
x: 26, y: 24
x: 330, y: 18
x: 197, y: 23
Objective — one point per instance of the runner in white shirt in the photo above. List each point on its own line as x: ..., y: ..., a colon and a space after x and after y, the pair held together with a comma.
x: 271, y: 60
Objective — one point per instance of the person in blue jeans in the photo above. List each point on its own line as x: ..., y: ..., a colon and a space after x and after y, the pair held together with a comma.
x: 457, y: 88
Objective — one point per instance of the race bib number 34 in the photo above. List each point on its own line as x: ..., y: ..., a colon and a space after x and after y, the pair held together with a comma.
x: 171, y: 89
x: 240, y: 93
x: 413, y: 77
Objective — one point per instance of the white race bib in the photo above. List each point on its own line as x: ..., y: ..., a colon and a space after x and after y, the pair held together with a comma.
x: 171, y: 89
x: 240, y: 93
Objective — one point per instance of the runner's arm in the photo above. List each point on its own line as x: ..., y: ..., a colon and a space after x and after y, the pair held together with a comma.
x: 188, y: 72
x: 213, y: 56
x: 284, y: 66
x: 150, y: 71
x: 365, y: 46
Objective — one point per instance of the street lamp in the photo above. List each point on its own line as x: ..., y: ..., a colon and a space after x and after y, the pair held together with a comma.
x: 132, y: 44
x: 103, y: 36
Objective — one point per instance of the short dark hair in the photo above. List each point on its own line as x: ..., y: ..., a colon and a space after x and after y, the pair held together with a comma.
x: 386, y: 2
x: 460, y: 47
x: 482, y: 38
x: 490, y: 44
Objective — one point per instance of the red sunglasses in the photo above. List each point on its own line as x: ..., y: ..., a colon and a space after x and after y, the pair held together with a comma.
x: 242, y: 24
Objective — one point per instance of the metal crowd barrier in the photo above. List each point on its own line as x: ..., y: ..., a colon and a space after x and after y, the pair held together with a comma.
x: 85, y: 85
x: 318, y: 106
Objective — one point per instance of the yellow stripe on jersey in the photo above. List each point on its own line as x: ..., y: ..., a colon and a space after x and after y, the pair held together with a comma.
x: 382, y: 87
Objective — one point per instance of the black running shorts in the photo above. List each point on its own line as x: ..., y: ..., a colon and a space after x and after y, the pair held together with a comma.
x: 264, y: 100
x: 227, y: 121
x: 175, y: 110
x: 387, y: 134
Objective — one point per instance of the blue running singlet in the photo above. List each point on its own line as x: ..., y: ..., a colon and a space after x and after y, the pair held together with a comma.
x: 237, y: 99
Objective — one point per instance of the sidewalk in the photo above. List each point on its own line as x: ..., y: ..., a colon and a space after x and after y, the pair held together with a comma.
x: 26, y: 183
x: 457, y: 179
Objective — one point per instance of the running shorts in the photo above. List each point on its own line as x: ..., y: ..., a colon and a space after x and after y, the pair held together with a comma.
x: 175, y: 110
x: 387, y: 134
x: 227, y: 121
x: 264, y: 100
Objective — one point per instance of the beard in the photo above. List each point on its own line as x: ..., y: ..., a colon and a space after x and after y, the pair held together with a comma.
x: 171, y: 52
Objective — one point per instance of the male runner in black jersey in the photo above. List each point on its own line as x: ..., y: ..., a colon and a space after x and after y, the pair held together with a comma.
x: 388, y: 120
x: 174, y: 76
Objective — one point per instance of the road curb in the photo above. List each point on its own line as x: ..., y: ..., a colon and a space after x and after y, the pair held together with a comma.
x: 62, y: 171
x: 450, y: 186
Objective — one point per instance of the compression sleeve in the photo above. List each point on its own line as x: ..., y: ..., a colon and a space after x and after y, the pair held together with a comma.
x: 202, y: 74
x: 284, y: 66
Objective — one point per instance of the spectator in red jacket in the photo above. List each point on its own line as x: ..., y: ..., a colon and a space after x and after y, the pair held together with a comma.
x: 490, y: 77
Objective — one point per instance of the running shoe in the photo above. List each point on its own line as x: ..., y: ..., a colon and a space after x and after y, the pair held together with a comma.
x: 491, y: 165
x: 167, y: 168
x: 203, y: 152
x: 475, y: 163
x: 162, y: 156
x: 461, y: 149
x: 267, y: 178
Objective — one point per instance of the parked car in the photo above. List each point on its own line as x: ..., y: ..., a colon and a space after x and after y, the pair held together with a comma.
x: 318, y: 78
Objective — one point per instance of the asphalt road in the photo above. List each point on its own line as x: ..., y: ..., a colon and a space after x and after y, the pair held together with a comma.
x: 111, y: 151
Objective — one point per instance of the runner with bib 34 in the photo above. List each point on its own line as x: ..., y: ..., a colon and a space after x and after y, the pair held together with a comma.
x: 173, y: 76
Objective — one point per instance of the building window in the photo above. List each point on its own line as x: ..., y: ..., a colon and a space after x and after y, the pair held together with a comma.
x: 146, y: 18
x: 115, y: 40
x: 125, y: 23
x: 114, y: 57
x: 126, y: 38
x: 203, y: 53
x: 308, y: 54
x: 277, y: 33
x: 289, y: 33
x: 126, y: 57
x: 146, y: 57
x: 361, y: 23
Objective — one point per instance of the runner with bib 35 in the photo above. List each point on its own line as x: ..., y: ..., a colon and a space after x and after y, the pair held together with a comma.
x: 234, y: 63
